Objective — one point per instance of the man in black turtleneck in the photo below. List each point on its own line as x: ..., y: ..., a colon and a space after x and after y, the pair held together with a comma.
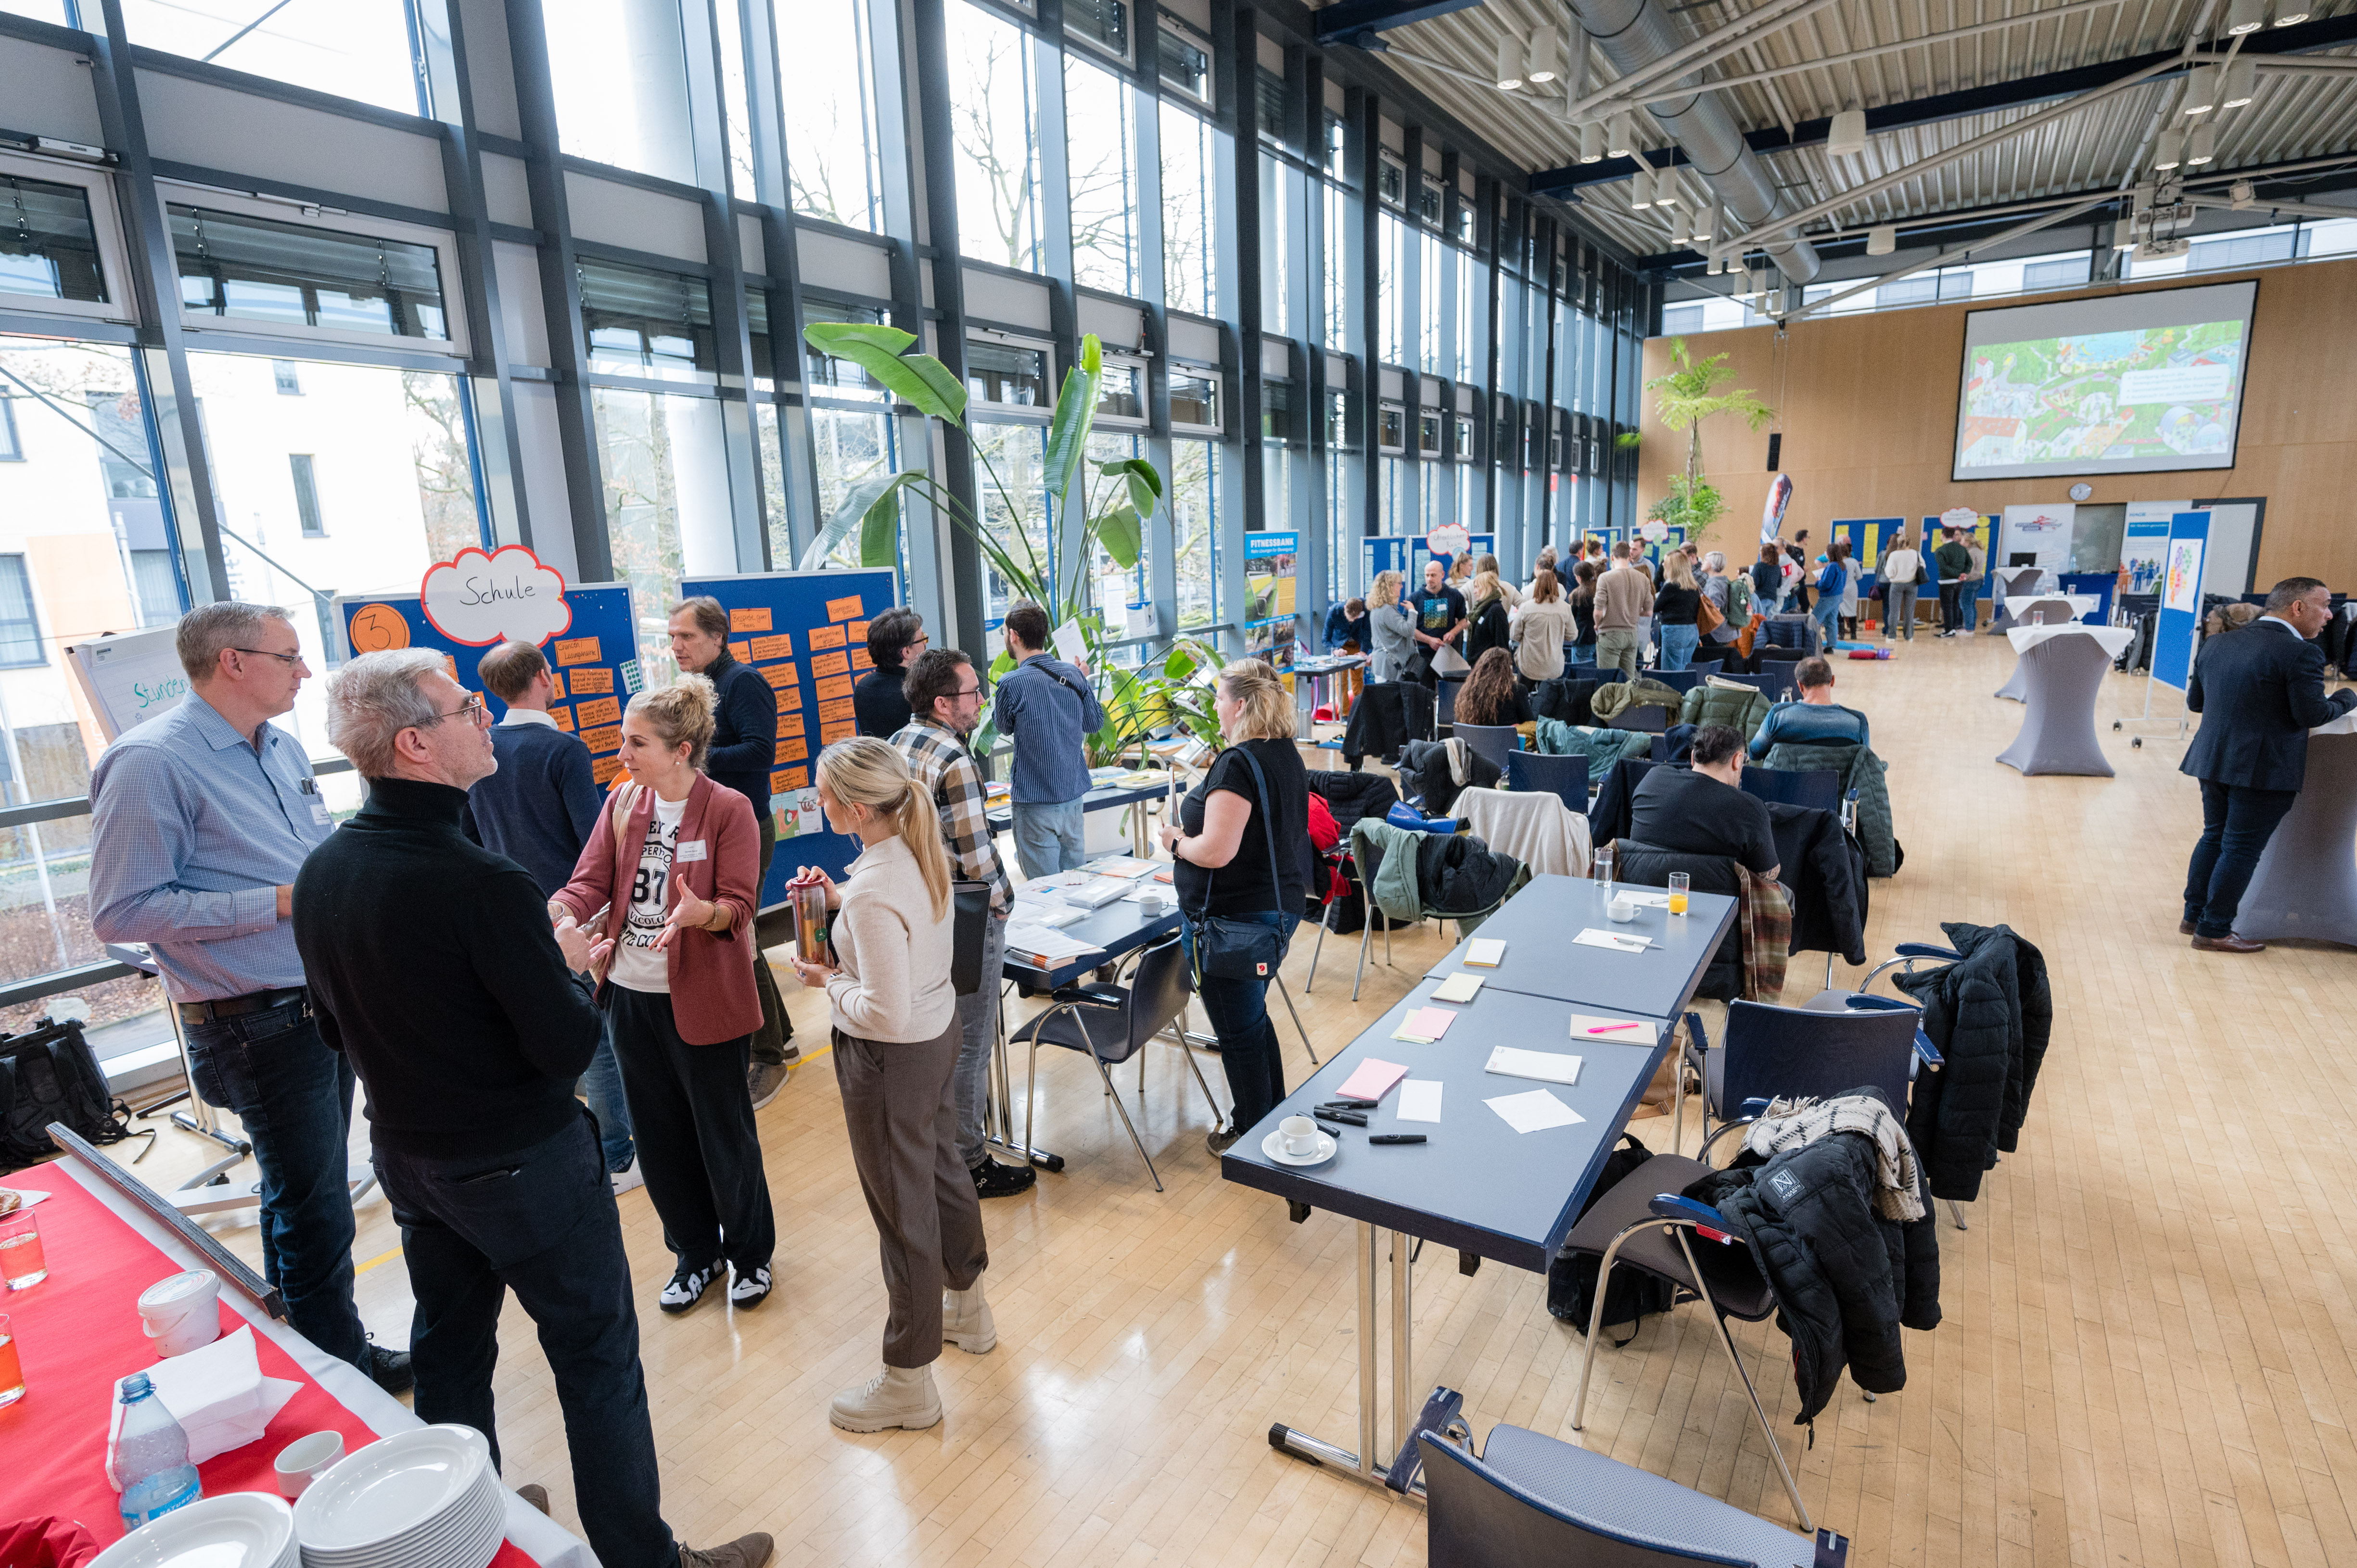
x: 432, y: 968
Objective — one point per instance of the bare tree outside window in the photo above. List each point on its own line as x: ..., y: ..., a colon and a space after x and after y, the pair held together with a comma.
x: 1102, y: 154
x: 991, y: 112
x: 834, y: 165
x: 1190, y: 261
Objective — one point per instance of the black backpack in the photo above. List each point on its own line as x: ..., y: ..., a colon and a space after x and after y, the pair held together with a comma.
x: 51, y: 1075
x: 1571, y: 1278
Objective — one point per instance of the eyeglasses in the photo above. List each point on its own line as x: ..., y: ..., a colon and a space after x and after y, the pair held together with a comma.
x: 962, y: 692
x: 289, y: 660
x: 472, y: 707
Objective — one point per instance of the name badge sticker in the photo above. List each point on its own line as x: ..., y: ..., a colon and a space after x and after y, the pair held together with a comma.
x: 691, y: 850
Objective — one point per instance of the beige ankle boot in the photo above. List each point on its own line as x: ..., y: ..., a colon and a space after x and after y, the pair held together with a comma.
x: 966, y: 1322
x: 898, y: 1396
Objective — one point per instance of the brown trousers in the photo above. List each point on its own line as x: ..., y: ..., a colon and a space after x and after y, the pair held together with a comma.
x: 903, y: 1126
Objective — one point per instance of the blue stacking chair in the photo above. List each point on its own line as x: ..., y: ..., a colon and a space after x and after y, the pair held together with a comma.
x: 1910, y: 954
x: 1531, y: 1498
x: 1771, y: 1052
x: 1645, y: 716
x: 1707, y: 668
x: 1677, y: 679
x: 1817, y: 788
x: 1759, y: 683
x: 1496, y: 742
x: 1566, y: 776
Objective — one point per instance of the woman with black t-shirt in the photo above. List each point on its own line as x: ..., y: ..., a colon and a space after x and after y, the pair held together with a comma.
x: 1221, y: 843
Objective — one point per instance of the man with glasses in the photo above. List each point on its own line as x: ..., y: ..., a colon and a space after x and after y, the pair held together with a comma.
x: 896, y: 640
x: 199, y: 820
x: 944, y: 694
x: 440, y: 980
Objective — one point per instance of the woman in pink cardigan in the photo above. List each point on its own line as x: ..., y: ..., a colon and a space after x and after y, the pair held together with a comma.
x: 675, y: 862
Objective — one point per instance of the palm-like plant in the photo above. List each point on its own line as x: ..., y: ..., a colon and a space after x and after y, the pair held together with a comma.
x: 1683, y: 399
x: 1115, y: 503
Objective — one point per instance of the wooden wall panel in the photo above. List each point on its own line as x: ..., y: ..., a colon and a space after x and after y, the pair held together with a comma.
x: 1869, y: 409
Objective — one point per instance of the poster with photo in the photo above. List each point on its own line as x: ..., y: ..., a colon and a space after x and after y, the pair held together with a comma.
x: 2146, y: 542
x: 1272, y: 626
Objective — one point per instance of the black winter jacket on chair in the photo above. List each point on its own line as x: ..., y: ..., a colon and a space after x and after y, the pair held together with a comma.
x: 1378, y: 725
x: 1991, y: 1016
x: 1351, y: 795
x: 1846, y: 1280
x: 1824, y: 869
x: 1565, y: 698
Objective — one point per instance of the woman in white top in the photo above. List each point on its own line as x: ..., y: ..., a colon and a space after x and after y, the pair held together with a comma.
x: 1543, y: 623
x: 895, y: 1044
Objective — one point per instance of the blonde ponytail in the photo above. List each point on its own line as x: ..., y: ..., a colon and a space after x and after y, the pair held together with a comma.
x: 866, y: 771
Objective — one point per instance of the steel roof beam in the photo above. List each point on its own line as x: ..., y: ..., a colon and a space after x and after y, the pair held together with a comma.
x: 1352, y: 20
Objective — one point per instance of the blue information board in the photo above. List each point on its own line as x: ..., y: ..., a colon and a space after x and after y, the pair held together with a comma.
x: 806, y: 634
x: 595, y: 658
x: 1983, y: 534
x: 2176, y: 636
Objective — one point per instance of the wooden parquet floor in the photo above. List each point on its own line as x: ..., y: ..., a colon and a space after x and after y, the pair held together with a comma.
x: 2146, y: 1357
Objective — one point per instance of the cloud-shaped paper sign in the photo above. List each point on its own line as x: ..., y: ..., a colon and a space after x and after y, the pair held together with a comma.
x: 480, y: 600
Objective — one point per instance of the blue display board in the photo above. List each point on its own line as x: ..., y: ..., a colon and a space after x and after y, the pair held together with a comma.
x: 595, y: 658
x: 1383, y: 552
x: 1984, y: 534
x: 2176, y: 636
x: 1272, y: 628
x: 1475, y: 545
x: 806, y: 634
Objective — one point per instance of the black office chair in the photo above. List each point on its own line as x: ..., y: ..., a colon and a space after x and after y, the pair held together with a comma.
x: 1817, y: 788
x: 1496, y: 742
x: 1112, y: 1023
x: 1773, y: 1052
x: 1567, y: 777
x: 1529, y: 1499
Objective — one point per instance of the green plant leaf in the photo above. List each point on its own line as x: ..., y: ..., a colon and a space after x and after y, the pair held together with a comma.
x: 1002, y: 667
x: 1068, y: 435
x: 1178, y: 663
x: 1145, y: 482
x: 916, y: 379
x: 872, y: 506
x: 1119, y: 531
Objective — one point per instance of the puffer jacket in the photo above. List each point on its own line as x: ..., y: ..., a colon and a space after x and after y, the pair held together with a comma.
x: 1565, y: 698
x: 1435, y: 767
x: 1991, y: 1015
x: 1602, y: 748
x: 1743, y: 708
x: 1863, y: 771
x: 1351, y: 795
x: 1608, y: 813
x: 1845, y: 1279
x: 1826, y: 871
x: 1616, y: 697
x: 1378, y: 725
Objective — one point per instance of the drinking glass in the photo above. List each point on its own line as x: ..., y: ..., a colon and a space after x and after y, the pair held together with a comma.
x: 21, y: 1264
x: 1680, y: 885
x: 12, y: 1370
x: 1603, y: 871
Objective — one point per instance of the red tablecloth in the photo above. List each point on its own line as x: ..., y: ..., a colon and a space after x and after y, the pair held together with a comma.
x: 79, y: 1330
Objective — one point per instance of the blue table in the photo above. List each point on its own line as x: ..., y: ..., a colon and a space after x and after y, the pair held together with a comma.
x: 1104, y: 798
x: 1478, y: 1186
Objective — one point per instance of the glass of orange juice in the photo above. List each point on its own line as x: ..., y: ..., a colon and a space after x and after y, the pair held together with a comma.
x: 12, y: 1370
x: 1680, y: 885
x: 21, y: 1263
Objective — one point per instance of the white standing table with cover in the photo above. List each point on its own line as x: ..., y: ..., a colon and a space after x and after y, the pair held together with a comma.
x: 2081, y: 606
x: 2306, y: 884
x: 2062, y: 670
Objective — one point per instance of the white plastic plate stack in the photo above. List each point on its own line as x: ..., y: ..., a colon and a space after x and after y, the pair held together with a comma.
x: 241, y: 1530
x: 424, y: 1498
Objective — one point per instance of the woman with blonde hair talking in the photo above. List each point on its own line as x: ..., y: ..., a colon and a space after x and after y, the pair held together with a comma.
x: 1241, y: 843
x: 675, y: 861
x: 896, y: 1047
x: 1394, y: 629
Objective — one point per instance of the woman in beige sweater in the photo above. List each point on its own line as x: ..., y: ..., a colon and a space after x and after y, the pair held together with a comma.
x: 896, y: 1042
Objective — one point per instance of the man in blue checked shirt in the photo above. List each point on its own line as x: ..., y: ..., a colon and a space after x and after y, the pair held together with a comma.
x: 199, y: 820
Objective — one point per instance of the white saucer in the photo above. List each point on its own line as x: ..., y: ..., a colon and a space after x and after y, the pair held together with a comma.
x: 1273, y: 1147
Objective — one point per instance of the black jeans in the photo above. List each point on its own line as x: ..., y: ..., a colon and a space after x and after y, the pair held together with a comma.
x: 693, y: 1113
x: 1238, y: 1010
x: 294, y: 1096
x: 1952, y: 610
x: 2236, y: 824
x: 777, y: 1028
x: 540, y: 1221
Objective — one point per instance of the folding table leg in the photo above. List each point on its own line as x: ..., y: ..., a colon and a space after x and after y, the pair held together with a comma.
x: 1306, y: 1046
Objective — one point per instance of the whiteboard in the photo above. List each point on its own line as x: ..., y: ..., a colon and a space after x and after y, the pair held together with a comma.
x: 2233, y: 545
x: 131, y: 678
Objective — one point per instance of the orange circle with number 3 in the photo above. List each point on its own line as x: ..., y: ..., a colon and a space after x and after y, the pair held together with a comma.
x: 376, y: 627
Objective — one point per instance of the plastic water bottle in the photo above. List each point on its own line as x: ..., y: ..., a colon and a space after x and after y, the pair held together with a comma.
x: 151, y: 1457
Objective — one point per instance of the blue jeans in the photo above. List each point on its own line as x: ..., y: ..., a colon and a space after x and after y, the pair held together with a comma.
x: 1827, y: 615
x: 1238, y: 1010
x: 2236, y: 824
x: 294, y: 1096
x: 540, y: 1221
x: 1678, y: 646
x: 1049, y: 838
x: 978, y: 1036
x: 602, y: 1082
x: 1579, y: 653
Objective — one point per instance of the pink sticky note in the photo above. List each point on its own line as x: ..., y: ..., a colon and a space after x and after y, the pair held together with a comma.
x: 1372, y: 1080
x: 1426, y: 1024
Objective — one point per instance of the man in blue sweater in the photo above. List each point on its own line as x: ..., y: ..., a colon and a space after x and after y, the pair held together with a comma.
x: 1048, y: 710
x: 1815, y: 718
x: 538, y: 810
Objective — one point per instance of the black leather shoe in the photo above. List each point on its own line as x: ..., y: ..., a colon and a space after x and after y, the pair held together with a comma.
x: 994, y: 1179
x: 390, y: 1370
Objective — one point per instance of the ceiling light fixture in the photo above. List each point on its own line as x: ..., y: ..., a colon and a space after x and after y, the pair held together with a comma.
x: 2241, y: 83
x: 1706, y: 224
x: 1882, y: 240
x: 1681, y: 231
x: 2204, y: 145
x: 1666, y: 184
x: 1546, y: 57
x: 2169, y: 149
x: 1618, y: 141
x: 2201, y: 91
x: 2242, y: 194
x: 1640, y: 188
x: 2246, y: 17
x: 1714, y: 266
x: 1510, y: 64
x: 1591, y: 143
x: 2290, y: 13
x: 1847, y: 138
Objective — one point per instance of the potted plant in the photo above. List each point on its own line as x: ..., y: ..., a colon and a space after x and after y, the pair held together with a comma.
x: 1683, y: 399
x: 1113, y: 500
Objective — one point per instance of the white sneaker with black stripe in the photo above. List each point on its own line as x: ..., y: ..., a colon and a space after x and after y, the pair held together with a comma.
x: 687, y: 1287
x: 749, y: 1288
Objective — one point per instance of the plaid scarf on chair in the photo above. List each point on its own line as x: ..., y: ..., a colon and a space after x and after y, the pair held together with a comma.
x: 1789, y: 1123
x: 1765, y: 919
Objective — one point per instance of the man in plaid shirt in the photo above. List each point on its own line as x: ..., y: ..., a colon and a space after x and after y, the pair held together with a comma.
x: 944, y: 694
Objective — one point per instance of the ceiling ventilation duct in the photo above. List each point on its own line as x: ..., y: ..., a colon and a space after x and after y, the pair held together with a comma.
x: 1635, y: 33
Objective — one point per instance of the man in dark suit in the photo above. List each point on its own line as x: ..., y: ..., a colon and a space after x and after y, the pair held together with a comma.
x: 2259, y: 690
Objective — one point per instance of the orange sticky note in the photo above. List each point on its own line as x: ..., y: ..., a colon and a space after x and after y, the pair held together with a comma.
x: 573, y: 651
x: 830, y: 664
x: 828, y: 713
x: 857, y: 630
x: 607, y: 739
x: 826, y: 637
x: 794, y: 750
x: 596, y: 680
x: 563, y: 717
x: 604, y: 769
x: 556, y: 684
x: 778, y: 785
x: 765, y: 649
x: 741, y: 651
x: 789, y: 701
x: 834, y: 686
x: 779, y: 676
x: 795, y: 777
x: 845, y: 610
x: 601, y: 711
x: 829, y: 734
x: 750, y: 619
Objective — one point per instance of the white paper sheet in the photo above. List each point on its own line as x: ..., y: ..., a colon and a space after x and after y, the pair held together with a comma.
x: 1611, y: 941
x: 1642, y: 899
x: 1613, y: 1031
x: 1419, y: 1100
x: 1548, y: 1066
x: 1487, y: 951
x: 1535, y: 1111
x: 1462, y: 986
x: 1071, y: 647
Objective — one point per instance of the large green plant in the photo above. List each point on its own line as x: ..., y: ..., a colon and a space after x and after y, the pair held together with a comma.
x: 1683, y: 399
x: 1114, y: 501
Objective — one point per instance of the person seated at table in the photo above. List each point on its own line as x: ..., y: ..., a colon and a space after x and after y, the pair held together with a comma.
x: 1491, y: 696
x: 1705, y: 810
x: 1815, y: 718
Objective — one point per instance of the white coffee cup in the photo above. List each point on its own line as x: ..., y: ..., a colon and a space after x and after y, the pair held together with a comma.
x: 306, y: 1459
x: 1299, y: 1135
x: 1622, y: 909
x: 180, y: 1311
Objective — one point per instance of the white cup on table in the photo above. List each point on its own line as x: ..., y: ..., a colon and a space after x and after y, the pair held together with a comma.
x: 1299, y: 1135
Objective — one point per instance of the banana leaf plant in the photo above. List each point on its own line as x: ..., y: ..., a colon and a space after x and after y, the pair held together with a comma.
x: 1114, y: 500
